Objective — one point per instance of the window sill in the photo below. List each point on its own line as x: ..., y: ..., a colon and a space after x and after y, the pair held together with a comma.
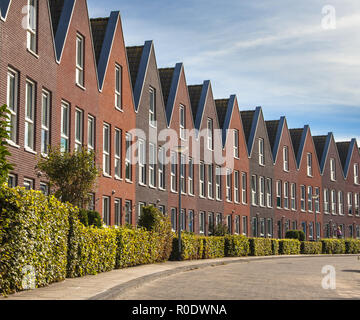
x: 142, y: 184
x: 202, y: 197
x: 152, y: 187
x: 128, y: 181
x: 119, y: 109
x: 107, y: 175
x: 118, y: 178
x: 32, y: 53
x: 80, y: 86
x: 30, y: 150
x: 12, y: 144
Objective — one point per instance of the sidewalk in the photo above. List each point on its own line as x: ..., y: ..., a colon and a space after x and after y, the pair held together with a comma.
x: 108, y: 285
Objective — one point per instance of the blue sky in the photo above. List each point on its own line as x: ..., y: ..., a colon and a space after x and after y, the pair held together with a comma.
x: 275, y: 54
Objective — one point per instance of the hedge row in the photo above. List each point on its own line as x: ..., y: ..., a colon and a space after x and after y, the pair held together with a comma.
x: 311, y: 247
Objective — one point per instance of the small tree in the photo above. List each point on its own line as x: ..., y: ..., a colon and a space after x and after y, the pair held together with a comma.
x: 72, y: 175
x: 5, y: 166
x: 218, y: 230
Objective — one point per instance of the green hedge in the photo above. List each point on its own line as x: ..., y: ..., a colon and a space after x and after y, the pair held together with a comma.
x: 311, y: 247
x: 33, y: 239
x: 275, y: 246
x: 192, y: 247
x: 260, y: 246
x: 289, y: 246
x: 236, y: 246
x: 352, y: 246
x: 333, y: 246
x: 295, y: 234
x: 214, y: 247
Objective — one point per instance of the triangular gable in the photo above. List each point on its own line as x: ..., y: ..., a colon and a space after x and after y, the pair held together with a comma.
x: 299, y: 143
x: 227, y: 119
x: 4, y: 8
x: 323, y: 154
x: 252, y: 133
x: 352, y: 148
x: 279, y: 133
x: 170, y: 103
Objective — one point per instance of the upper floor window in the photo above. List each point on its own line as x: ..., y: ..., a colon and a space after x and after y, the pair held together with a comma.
x: 310, y: 198
x: 333, y: 201
x: 106, y: 149
x: 326, y: 201
x: 45, y: 122
x: 152, y: 107
x: 332, y: 169
x: 80, y: 60
x: 293, y: 196
x: 309, y: 164
x: 128, y: 153
x: 142, y: 161
x: 253, y: 190
x: 261, y: 152
x: 182, y: 122
x: 117, y: 165
x: 228, y: 185
x: 65, y: 126
x: 236, y: 186
x: 262, y: 191
x: 269, y: 192
x: 218, y: 182
x: 356, y: 203
x: 202, y: 179
x: 173, y: 172
x: 278, y: 194
x: 161, y: 168
x: 12, y: 103
x: 244, y: 187
x: 350, y: 203
x: 31, y: 27
x: 210, y: 134
x: 236, y: 143
x: 317, y: 199
x: 302, y: 197
x: 91, y: 132
x: 286, y: 195
x: 356, y: 173
x: 286, y: 158
x: 78, y: 129
x: 118, y: 87
x: 341, y: 202
x: 152, y: 165
x: 183, y: 173
x: 191, y: 177
x: 210, y: 181
x: 30, y: 115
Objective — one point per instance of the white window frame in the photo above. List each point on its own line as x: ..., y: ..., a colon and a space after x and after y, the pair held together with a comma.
x: 261, y: 152
x: 202, y: 222
x: 279, y: 194
x: 44, y: 188
x: 152, y: 165
x: 262, y: 191
x: 269, y: 192
x: 12, y: 104
x: 309, y: 170
x: 236, y: 186
x: 128, y: 153
x: 228, y: 185
x: 286, y: 158
x: 161, y: 168
x: 142, y: 161
x: 173, y: 218
x: 183, y: 173
x: 182, y: 122
x: 302, y: 198
x: 244, y: 225
x: 293, y: 196
x: 117, y: 153
x: 45, y: 122
x: 117, y: 211
x: 28, y: 184
x: 118, y: 87
x: 79, y: 128
x: 191, y: 177
x: 31, y: 31
x: 326, y: 201
x: 286, y: 195
x: 65, y: 126
x: 210, y: 180
x: 191, y: 220
x: 236, y: 144
x: 333, y: 202
x: 310, y: 199
x: 350, y: 203
x: 356, y: 173
x: 244, y: 187
x: 332, y: 170
x: 30, y: 105
x: 237, y: 224
x: 91, y: 132
x: 12, y: 180
x: 254, y: 190
x: 79, y: 74
x: 210, y: 134
x: 106, y: 149
x: 128, y: 211
x: 341, y: 203
x: 152, y: 107
x: 356, y: 203
x: 317, y: 200
x: 202, y: 180
x: 173, y: 172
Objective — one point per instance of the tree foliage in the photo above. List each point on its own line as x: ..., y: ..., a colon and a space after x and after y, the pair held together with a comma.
x: 5, y: 166
x: 72, y: 175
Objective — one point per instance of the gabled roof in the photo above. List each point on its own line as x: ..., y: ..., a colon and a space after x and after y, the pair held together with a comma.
x: 221, y: 109
x: 298, y: 138
x: 61, y: 14
x: 322, y: 146
x: 103, y: 32
x: 134, y: 55
x: 194, y: 95
x: 345, y: 150
x: 166, y: 78
x: 272, y: 127
x: 4, y: 8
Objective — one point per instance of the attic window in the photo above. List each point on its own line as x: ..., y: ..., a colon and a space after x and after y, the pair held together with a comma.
x: 80, y: 60
x: 31, y: 27
x: 261, y: 152
x: 118, y: 87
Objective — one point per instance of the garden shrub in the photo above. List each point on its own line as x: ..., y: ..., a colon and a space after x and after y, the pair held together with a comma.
x: 192, y: 247
x: 90, y: 218
x: 214, y: 247
x: 311, y: 247
x: 275, y: 246
x: 33, y: 239
x: 289, y: 246
x: 352, y: 246
x: 333, y: 246
x: 236, y: 246
x: 260, y: 246
x: 295, y: 234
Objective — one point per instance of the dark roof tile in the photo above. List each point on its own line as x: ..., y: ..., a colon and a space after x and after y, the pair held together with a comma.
x: 272, y: 128
x: 134, y: 57
x: 343, y: 150
x: 166, y: 76
x: 319, y: 142
x: 195, y: 94
x: 98, y: 29
x: 296, y: 135
x: 56, y: 7
x: 247, y: 119
x: 221, y: 108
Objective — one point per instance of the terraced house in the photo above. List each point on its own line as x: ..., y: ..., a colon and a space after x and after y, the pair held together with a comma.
x: 69, y: 81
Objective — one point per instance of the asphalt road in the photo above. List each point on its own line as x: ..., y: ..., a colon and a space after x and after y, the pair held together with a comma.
x: 288, y: 278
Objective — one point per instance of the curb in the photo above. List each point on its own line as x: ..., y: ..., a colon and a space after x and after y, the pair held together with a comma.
x: 114, y: 292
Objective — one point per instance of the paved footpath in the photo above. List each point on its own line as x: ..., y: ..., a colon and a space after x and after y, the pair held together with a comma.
x: 117, y: 283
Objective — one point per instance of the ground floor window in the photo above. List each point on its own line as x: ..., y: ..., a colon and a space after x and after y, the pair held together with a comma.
x: 237, y: 224
x: 201, y: 222
x: 244, y: 225
x: 106, y: 210
x: 117, y: 211
x: 28, y: 184
x: 12, y: 181
x: 191, y: 220
x: 229, y: 224
x: 44, y: 188
x: 270, y: 228
x: 128, y: 211
x: 173, y: 219
x: 254, y: 224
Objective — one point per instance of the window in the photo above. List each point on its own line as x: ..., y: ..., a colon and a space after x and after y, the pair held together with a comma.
x: 106, y: 149
x: 117, y: 211
x: 317, y: 200
x: 286, y: 195
x: 218, y: 182
x: 191, y: 220
x: 32, y: 26
x: 356, y: 203
x: 262, y: 227
x: 173, y: 219
x: 244, y: 187
x: 228, y: 185
x: 210, y: 133
x: 183, y: 219
x: 161, y: 209
x: 311, y: 230
x: 236, y: 186
x: 211, y: 222
x: 218, y: 219
x: 332, y: 169
x: 12, y: 103
x: 78, y: 129
x: 262, y: 191
x: 118, y: 87
x: 302, y: 198
x: 12, y: 180
x: 28, y: 184
x: 269, y: 192
x: 333, y: 202
x: 152, y: 165
x: 261, y: 152
x: 237, y: 224
x: 173, y: 173
x: 45, y: 122
x: 106, y: 210
x: 128, y: 171
x: 293, y: 196
x: 30, y: 115
x: 341, y: 202
x: 161, y: 168
x: 64, y: 127
x: 229, y: 224
x: 210, y: 181
x: 128, y: 211
x: 191, y: 177
x: 44, y: 188
x: 142, y: 160
x: 253, y: 190
x: 141, y: 205
x: 80, y: 60
x: 201, y: 222
x: 236, y: 143
x: 309, y: 164
x: 310, y: 199
x: 183, y: 173
x: 286, y: 158
x: 244, y: 225
x: 91, y: 202
x: 350, y: 203
x: 152, y: 107
x: 270, y: 228
x: 326, y: 201
x: 356, y: 173
x: 118, y: 139
x: 202, y: 179
x: 182, y: 122
x: 91, y: 132
x: 278, y: 194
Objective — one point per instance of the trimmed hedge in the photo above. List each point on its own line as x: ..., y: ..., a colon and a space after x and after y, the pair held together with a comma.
x: 260, y: 246
x: 333, y: 246
x: 192, y: 247
x: 289, y: 246
x: 33, y: 239
x: 275, y: 246
x: 311, y: 247
x: 214, y: 247
x: 295, y: 234
x: 236, y: 246
x: 352, y: 246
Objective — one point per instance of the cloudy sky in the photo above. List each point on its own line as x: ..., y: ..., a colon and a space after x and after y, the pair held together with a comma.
x: 300, y: 59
